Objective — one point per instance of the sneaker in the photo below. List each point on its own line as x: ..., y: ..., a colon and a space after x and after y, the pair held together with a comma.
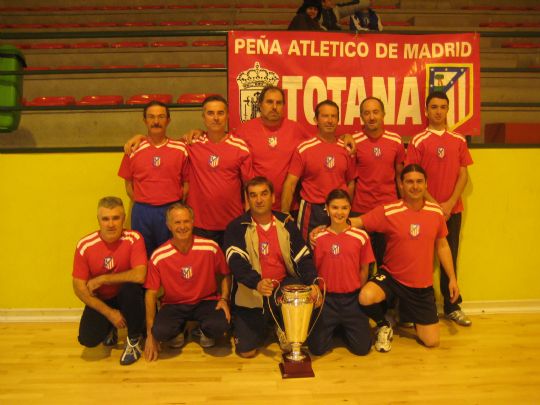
x: 459, y: 317
x: 204, y: 340
x: 112, y: 338
x: 284, y: 344
x: 178, y: 341
x: 132, y: 352
x: 384, y: 339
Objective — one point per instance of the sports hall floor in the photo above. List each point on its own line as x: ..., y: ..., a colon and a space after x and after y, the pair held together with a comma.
x: 496, y: 361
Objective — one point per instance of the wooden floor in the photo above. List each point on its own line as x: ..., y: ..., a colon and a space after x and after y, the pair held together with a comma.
x: 496, y: 361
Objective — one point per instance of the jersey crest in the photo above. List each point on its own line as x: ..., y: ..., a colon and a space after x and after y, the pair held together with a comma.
x: 377, y: 152
x: 108, y: 263
x: 440, y: 152
x: 335, y: 249
x: 414, y: 230
x: 187, y: 272
x: 156, y: 161
x: 272, y: 141
x: 265, y: 248
x: 330, y: 162
x: 213, y: 161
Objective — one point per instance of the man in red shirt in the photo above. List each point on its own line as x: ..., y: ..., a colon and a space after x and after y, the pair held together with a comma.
x: 444, y: 156
x: 187, y: 267
x: 322, y: 164
x: 153, y: 176
x: 108, y: 269
x: 414, y: 229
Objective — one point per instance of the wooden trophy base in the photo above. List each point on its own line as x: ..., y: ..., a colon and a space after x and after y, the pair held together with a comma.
x: 296, y: 369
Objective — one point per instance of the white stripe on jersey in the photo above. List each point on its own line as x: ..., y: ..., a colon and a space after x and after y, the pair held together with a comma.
x: 203, y: 247
x: 308, y: 144
x: 179, y: 147
x: 420, y: 137
x: 458, y: 136
x: 393, y: 137
x: 142, y: 146
x: 237, y: 143
x: 160, y: 250
x: 89, y: 244
x: 87, y: 238
x: 358, y: 234
x: 235, y: 250
x: 302, y: 253
x: 161, y: 256
x: 388, y: 206
x: 395, y: 211
x: 434, y: 209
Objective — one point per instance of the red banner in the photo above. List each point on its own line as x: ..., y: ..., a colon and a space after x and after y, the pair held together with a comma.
x: 399, y: 69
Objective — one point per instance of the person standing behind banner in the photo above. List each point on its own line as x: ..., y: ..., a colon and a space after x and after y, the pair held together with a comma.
x: 445, y: 156
x: 342, y: 256
x: 322, y: 164
x: 307, y: 17
x: 332, y: 13
x: 153, y: 175
x: 365, y: 20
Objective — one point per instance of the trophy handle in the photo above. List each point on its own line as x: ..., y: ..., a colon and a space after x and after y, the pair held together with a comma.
x: 322, y: 305
x: 275, y: 300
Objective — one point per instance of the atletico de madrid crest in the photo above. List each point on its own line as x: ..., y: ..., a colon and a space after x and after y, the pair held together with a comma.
x: 414, y: 230
x: 108, y: 263
x: 272, y: 141
x: 377, y: 152
x: 330, y: 162
x: 156, y: 161
x: 440, y: 152
x: 335, y: 249
x: 265, y: 248
x: 187, y: 272
x: 213, y: 161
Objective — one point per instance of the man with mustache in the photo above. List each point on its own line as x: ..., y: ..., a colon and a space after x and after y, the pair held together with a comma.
x: 153, y: 176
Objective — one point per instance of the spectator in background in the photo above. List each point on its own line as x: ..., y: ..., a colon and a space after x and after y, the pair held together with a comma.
x: 365, y: 20
x: 332, y: 13
x: 307, y: 17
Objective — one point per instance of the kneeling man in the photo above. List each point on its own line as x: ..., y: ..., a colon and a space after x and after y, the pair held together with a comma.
x: 187, y: 268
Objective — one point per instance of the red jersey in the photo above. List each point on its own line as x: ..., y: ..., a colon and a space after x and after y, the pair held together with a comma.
x: 376, y: 161
x: 272, y: 149
x: 94, y: 257
x: 339, y: 257
x: 322, y: 167
x: 441, y: 156
x: 215, y: 173
x: 270, y: 257
x: 156, y: 172
x: 186, y: 278
x: 410, y: 240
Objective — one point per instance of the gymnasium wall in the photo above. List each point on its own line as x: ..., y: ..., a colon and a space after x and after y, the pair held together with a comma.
x: 48, y: 201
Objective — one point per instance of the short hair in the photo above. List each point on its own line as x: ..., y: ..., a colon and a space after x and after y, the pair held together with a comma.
x: 179, y: 206
x: 258, y: 181
x: 372, y: 98
x: 338, y: 194
x: 262, y: 95
x: 110, y: 202
x: 323, y: 103
x: 413, y: 167
x: 159, y: 103
x: 215, y: 97
x: 437, y: 94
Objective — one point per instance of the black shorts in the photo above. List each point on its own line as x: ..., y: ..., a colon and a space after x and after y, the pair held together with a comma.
x: 416, y: 304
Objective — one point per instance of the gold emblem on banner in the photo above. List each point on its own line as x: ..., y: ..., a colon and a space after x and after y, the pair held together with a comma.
x: 250, y: 84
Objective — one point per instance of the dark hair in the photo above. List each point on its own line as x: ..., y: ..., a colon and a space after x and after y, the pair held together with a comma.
x: 338, y: 194
x: 413, y: 167
x: 110, y: 202
x: 325, y: 102
x: 271, y: 88
x: 371, y: 98
x: 258, y: 181
x: 159, y: 103
x: 215, y: 97
x: 310, y: 3
x: 179, y: 206
x: 437, y: 94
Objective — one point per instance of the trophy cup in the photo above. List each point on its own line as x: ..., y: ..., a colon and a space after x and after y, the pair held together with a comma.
x: 296, y: 308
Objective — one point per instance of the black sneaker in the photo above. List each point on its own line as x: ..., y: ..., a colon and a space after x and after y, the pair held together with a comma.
x: 132, y: 352
x: 112, y: 338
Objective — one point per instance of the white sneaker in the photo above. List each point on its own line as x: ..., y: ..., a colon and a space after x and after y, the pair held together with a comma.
x: 384, y: 339
x: 459, y: 317
x: 204, y: 340
x: 132, y: 352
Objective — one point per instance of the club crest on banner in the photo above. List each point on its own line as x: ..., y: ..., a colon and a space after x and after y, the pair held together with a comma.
x: 108, y: 263
x: 213, y: 161
x: 272, y: 141
x: 457, y: 82
x: 156, y: 161
x: 335, y: 249
x: 265, y: 248
x: 250, y: 84
x: 377, y: 152
x: 440, y: 152
x: 187, y: 272
x: 330, y: 162
x: 414, y: 230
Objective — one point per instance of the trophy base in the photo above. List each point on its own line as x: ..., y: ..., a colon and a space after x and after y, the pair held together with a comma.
x: 296, y: 369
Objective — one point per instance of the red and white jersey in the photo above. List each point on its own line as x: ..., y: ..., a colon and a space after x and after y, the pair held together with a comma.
x: 376, y: 161
x: 215, y: 173
x: 322, y: 167
x: 441, y: 156
x: 186, y: 278
x: 339, y: 257
x: 270, y: 256
x: 410, y: 240
x: 156, y: 172
x: 94, y: 257
x: 272, y: 149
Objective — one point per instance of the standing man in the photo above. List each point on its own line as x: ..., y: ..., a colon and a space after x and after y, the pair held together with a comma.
x: 218, y: 165
x: 332, y: 13
x: 414, y: 229
x: 186, y: 267
x: 445, y: 157
x: 262, y: 246
x: 108, y: 270
x: 153, y: 176
x: 379, y: 162
x: 323, y: 164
